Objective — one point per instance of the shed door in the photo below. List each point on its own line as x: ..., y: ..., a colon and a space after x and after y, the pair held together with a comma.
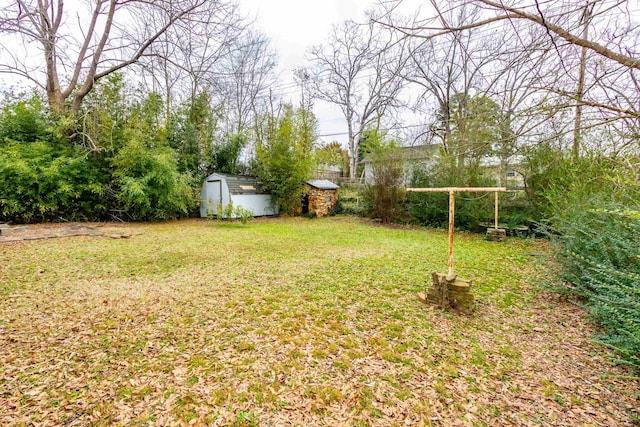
x: 219, y: 182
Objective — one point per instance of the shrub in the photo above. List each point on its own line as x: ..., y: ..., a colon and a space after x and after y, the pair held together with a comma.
x: 25, y: 121
x: 384, y: 193
x: 351, y: 201
x: 149, y: 185
x: 596, y: 224
x: 600, y: 258
x: 42, y: 181
x: 210, y: 214
x: 229, y: 213
x: 220, y: 211
x: 242, y: 214
x: 555, y: 181
x: 433, y: 208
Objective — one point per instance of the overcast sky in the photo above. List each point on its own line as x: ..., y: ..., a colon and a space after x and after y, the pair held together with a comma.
x: 295, y: 25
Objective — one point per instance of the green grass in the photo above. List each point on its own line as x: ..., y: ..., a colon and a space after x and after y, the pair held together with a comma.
x: 283, y: 321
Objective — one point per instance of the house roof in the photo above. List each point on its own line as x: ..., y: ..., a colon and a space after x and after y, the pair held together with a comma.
x: 240, y: 184
x: 323, y: 184
x: 420, y: 152
x: 329, y: 168
x: 495, y: 161
x: 413, y: 152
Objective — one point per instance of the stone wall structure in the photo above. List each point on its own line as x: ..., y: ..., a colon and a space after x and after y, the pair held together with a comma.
x: 321, y: 202
x: 322, y: 197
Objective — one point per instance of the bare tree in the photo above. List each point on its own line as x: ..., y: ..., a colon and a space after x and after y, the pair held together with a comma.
x: 471, y: 87
x: 583, y: 82
x: 447, y: 72
x: 243, y: 77
x: 532, y: 13
x: 358, y: 69
x: 79, y: 50
x: 183, y: 62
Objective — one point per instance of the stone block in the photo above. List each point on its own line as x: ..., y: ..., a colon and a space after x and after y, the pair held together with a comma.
x: 321, y: 202
x: 422, y: 297
x: 458, y: 285
x: 496, y: 234
x: 451, y: 293
x: 433, y: 296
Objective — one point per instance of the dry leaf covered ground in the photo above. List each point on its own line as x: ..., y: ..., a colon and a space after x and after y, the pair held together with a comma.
x: 292, y: 322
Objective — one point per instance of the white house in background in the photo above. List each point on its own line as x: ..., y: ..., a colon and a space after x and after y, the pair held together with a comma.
x: 240, y: 190
x: 413, y: 158
x: 507, y: 171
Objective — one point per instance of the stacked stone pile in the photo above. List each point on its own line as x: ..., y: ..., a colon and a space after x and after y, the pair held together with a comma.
x: 451, y: 293
x: 321, y: 202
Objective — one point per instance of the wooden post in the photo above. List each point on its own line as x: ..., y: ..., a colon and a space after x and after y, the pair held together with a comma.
x: 452, y: 210
x: 458, y: 189
x: 496, y: 207
x: 452, y: 207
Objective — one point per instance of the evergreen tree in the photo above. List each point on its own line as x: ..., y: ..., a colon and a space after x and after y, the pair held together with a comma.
x: 285, y: 156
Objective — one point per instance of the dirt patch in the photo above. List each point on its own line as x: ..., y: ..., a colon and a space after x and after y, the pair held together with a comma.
x: 19, y: 233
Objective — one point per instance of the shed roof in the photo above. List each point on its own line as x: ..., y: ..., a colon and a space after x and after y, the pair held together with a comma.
x: 240, y: 184
x: 323, y: 184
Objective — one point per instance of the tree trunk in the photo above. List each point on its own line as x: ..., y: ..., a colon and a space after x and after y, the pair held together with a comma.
x: 56, y: 101
x: 577, y: 127
x: 353, y: 161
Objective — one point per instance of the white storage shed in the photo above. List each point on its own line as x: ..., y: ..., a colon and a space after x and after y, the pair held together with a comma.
x: 240, y: 190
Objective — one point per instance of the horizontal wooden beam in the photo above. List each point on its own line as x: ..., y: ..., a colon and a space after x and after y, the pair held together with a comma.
x: 458, y: 189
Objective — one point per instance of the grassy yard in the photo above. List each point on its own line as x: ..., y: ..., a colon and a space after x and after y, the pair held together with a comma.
x: 292, y: 322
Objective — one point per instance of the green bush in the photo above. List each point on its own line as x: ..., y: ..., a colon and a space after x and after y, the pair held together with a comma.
x: 596, y: 224
x: 210, y: 211
x: 243, y: 214
x: 25, y: 120
x: 555, y: 181
x: 229, y: 213
x: 225, y: 212
x: 49, y: 172
x: 515, y: 209
x: 42, y: 181
x: 600, y: 258
x: 351, y: 201
x: 149, y: 186
x: 432, y: 209
x: 43, y: 177
x: 220, y: 211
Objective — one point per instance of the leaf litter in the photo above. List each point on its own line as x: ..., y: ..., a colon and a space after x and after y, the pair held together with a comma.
x: 292, y: 322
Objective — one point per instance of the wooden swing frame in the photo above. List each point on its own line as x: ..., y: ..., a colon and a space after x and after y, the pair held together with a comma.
x: 452, y: 207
